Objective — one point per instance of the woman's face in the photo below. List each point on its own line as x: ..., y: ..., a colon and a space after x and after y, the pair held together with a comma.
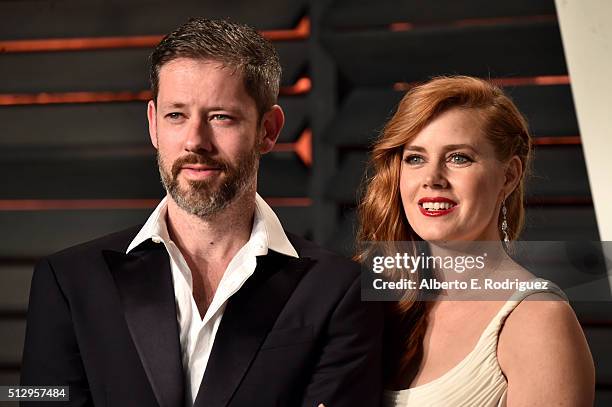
x: 451, y: 182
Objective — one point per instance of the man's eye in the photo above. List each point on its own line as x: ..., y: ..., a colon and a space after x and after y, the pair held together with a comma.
x: 414, y: 159
x: 459, y: 159
x: 221, y: 117
x: 174, y: 115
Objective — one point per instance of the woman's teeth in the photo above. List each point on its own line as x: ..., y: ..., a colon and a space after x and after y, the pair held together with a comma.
x: 437, y: 206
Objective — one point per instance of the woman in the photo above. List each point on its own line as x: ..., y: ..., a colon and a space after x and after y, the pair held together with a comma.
x: 449, y: 167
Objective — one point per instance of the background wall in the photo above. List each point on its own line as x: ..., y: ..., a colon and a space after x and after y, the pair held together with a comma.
x: 587, y: 41
x: 75, y: 158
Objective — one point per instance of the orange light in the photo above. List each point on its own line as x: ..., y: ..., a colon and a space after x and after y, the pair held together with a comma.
x: 302, y: 86
x: 561, y: 140
x: 302, y: 147
x: 470, y: 22
x: 74, y: 204
x: 77, y: 44
x: 403, y: 26
x: 533, y: 80
x: 503, y: 20
x: 73, y: 97
x: 300, y: 32
x: 515, y: 81
x: 295, y: 202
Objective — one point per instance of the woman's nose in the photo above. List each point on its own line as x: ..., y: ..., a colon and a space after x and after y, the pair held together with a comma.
x: 435, y: 178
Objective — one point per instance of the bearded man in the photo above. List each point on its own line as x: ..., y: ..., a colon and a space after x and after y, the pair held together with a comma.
x: 210, y: 302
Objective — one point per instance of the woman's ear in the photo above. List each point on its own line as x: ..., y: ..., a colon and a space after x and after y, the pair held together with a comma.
x: 272, y: 122
x: 513, y: 174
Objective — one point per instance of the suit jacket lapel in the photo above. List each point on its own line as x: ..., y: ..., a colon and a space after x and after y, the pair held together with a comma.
x: 144, y: 281
x: 248, y: 317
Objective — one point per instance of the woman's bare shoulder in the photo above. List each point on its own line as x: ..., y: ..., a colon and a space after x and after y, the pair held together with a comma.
x: 544, y: 354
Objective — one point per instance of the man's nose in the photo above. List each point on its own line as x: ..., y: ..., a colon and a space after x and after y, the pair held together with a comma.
x: 199, y: 137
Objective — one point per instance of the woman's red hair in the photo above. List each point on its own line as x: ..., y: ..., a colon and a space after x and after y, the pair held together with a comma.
x: 380, y: 213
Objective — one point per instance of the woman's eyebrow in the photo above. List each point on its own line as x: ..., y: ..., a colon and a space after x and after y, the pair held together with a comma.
x: 447, y: 147
x: 459, y: 147
x: 415, y: 148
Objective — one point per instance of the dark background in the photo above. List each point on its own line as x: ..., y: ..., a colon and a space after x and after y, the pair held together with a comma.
x: 75, y: 156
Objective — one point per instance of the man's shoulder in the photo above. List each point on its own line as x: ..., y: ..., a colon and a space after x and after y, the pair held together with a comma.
x: 117, y: 241
x: 325, y: 259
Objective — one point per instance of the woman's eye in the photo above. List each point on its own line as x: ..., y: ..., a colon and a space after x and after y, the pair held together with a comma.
x: 414, y: 160
x: 459, y: 159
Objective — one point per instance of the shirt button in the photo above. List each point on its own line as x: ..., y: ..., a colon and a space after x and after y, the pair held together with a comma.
x: 156, y: 239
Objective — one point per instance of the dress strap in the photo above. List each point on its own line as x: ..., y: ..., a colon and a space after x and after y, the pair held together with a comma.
x: 550, y: 288
x: 492, y: 330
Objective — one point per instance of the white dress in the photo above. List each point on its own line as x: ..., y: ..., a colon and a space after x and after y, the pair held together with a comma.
x: 477, y: 380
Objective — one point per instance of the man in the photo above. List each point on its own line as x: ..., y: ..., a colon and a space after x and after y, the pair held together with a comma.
x: 210, y: 303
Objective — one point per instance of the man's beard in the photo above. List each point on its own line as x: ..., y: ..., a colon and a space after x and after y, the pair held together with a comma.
x: 206, y: 198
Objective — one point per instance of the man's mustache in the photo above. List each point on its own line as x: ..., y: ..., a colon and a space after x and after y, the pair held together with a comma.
x: 196, y: 159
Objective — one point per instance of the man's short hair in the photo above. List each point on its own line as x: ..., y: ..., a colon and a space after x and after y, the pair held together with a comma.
x: 234, y: 45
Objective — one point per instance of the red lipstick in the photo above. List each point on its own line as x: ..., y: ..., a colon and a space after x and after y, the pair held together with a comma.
x: 436, y: 212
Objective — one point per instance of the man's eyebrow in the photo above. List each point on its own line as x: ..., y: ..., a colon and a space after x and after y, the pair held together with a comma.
x: 179, y: 105
x: 228, y: 108
x: 173, y: 105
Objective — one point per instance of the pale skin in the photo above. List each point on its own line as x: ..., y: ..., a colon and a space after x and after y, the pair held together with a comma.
x: 203, y: 108
x: 542, y: 350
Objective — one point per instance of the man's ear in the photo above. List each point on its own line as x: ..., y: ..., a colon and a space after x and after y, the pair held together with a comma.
x: 152, y: 117
x: 514, y: 172
x: 272, y: 123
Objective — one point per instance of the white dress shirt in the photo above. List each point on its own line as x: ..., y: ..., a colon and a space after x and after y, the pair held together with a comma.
x: 197, y: 334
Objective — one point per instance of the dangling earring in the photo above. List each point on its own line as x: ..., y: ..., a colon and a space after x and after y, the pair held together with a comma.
x: 504, y: 225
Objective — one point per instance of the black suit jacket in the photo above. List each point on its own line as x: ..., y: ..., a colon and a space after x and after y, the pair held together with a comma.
x: 296, y: 333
